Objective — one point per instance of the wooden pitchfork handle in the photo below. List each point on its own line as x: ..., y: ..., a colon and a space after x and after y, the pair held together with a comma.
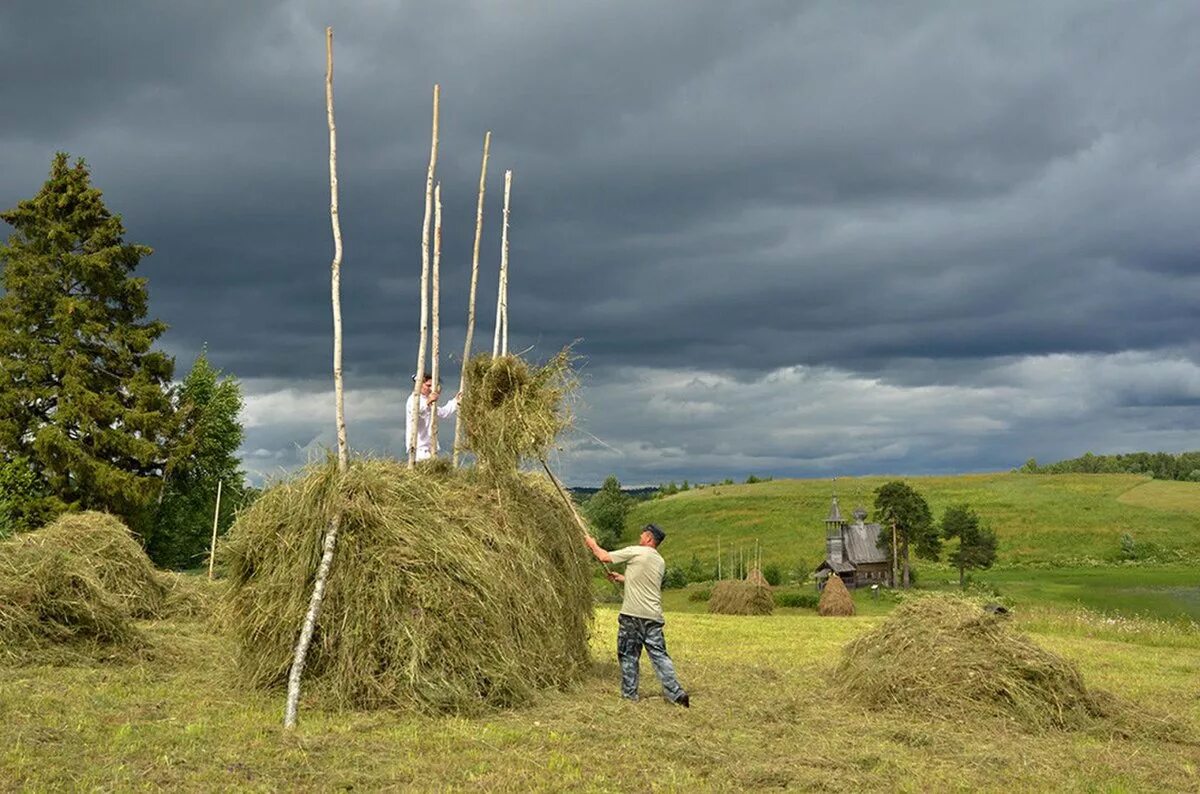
x: 570, y: 506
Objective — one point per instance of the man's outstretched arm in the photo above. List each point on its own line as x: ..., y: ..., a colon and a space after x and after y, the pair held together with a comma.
x: 599, y: 553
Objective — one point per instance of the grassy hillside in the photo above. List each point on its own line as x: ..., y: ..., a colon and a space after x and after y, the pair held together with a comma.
x: 1055, y: 520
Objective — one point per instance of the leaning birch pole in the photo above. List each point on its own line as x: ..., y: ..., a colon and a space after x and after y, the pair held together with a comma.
x: 212, y: 549
x: 434, y: 349
x: 462, y: 384
x: 504, y: 264
x: 318, y: 593
x: 415, y: 415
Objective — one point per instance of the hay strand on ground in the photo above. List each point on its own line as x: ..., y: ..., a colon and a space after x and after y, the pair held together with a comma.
x: 835, y: 599
x: 739, y: 597
x: 453, y: 590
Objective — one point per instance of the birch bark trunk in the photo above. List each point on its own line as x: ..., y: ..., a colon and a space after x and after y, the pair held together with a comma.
x: 212, y: 549
x: 462, y: 384
x: 318, y: 593
x: 435, y: 347
x: 415, y: 415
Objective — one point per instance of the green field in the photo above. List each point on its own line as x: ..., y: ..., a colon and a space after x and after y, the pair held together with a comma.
x: 1060, y: 535
x: 761, y: 718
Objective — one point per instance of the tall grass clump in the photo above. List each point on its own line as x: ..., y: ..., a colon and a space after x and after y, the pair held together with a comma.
x: 948, y: 656
x: 452, y: 589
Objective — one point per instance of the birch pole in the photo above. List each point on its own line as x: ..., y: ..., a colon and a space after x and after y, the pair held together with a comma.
x: 212, y: 549
x: 462, y: 383
x: 502, y: 292
x: 415, y: 414
x: 318, y: 593
x: 434, y: 350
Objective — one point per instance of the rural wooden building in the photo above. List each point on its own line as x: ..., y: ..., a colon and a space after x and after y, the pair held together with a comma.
x: 852, y: 551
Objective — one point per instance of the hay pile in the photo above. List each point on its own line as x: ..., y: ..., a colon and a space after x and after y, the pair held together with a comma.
x: 835, y: 599
x: 73, y: 586
x: 451, y: 589
x: 511, y: 411
x: 756, y: 577
x: 948, y: 656
x: 739, y: 597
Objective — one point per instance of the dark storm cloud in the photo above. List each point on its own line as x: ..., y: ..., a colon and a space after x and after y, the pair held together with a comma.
x: 916, y: 192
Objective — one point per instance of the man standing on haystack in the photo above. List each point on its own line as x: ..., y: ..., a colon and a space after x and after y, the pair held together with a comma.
x: 641, y: 620
x: 425, y: 420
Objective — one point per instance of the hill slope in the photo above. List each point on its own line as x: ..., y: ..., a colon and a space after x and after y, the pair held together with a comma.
x: 1041, y: 519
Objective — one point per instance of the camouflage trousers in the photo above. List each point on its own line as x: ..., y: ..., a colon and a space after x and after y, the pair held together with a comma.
x: 632, y: 635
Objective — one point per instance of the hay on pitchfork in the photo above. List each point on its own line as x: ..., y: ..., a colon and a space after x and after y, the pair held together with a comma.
x: 452, y: 589
x: 835, y: 599
x: 739, y: 597
x: 513, y: 411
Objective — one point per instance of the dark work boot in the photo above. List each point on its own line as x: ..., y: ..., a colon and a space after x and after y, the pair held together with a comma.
x: 684, y: 701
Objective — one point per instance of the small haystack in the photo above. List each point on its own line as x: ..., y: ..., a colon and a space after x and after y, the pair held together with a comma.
x: 54, y: 598
x: 512, y: 411
x: 452, y: 589
x: 756, y: 577
x: 835, y: 599
x: 947, y: 655
x: 739, y: 597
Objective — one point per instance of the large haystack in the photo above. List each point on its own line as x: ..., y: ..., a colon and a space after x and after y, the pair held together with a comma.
x: 451, y: 589
x: 835, y: 599
x: 949, y: 656
x: 739, y: 597
x: 511, y: 410
x: 54, y: 603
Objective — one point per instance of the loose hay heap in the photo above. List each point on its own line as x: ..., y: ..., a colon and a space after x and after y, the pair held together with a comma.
x: 948, y: 656
x: 740, y: 597
x: 74, y: 585
x: 511, y: 410
x: 835, y: 599
x: 451, y: 589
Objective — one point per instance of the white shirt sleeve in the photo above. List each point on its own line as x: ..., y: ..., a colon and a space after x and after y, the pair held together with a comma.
x: 449, y: 409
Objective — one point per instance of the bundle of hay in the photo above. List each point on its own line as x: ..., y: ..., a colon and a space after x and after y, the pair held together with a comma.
x: 756, y: 577
x: 835, y: 599
x: 511, y: 410
x: 54, y: 602
x: 949, y: 656
x: 738, y: 597
x: 451, y: 589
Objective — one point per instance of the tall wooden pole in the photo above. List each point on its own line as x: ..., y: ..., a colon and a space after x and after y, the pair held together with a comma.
x: 435, y: 348
x: 462, y: 383
x: 500, y: 340
x: 212, y: 549
x: 895, y: 561
x: 415, y: 415
x: 318, y: 593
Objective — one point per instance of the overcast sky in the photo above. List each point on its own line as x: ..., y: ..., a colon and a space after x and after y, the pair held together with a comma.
x: 792, y: 238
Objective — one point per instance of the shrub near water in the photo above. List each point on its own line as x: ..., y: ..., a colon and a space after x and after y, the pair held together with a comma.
x: 450, y: 589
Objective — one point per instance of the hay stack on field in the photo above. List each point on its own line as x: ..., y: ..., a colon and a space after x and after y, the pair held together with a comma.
x: 451, y: 589
x: 511, y: 410
x: 948, y: 656
x: 835, y: 599
x: 756, y: 577
x: 72, y: 586
x: 738, y: 597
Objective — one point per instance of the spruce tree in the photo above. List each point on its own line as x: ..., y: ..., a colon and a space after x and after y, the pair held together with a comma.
x: 83, y: 394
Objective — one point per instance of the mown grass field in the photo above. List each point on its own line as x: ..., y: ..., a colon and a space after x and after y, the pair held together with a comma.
x: 1060, y: 535
x: 762, y: 717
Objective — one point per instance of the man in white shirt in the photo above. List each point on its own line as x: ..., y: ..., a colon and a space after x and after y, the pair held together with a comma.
x: 425, y: 418
x: 640, y: 623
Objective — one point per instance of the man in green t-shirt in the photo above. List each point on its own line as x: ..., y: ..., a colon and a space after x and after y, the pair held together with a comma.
x: 640, y: 623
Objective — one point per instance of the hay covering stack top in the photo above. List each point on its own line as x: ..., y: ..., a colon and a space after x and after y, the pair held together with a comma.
x: 451, y: 590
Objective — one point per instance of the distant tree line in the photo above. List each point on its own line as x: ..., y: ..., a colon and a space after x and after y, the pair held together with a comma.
x: 1183, y: 466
